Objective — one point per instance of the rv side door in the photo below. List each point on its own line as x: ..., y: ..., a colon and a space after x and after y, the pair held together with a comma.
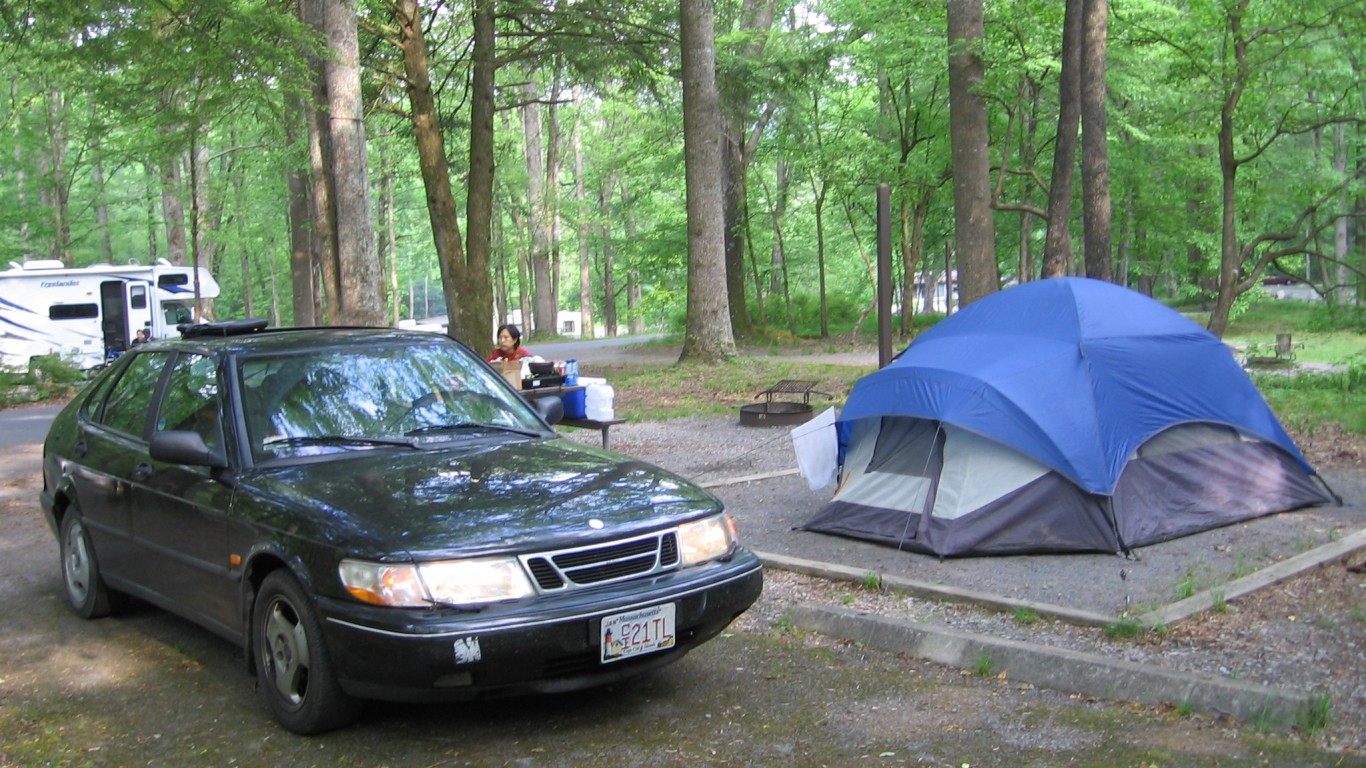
x: 114, y: 316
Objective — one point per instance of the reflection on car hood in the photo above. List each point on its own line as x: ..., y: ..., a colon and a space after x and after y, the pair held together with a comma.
x: 494, y: 496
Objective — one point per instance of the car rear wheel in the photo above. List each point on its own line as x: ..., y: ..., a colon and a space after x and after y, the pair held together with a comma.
x: 85, y: 588
x: 292, y: 662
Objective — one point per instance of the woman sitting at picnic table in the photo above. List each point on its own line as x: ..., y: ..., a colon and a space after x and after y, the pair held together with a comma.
x: 509, y: 345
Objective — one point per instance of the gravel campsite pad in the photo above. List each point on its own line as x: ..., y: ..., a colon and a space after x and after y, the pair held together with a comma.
x: 1308, y: 633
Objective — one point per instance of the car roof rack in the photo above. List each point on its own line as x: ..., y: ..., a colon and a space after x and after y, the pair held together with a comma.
x: 222, y: 328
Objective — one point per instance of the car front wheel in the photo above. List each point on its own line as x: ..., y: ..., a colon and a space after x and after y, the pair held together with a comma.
x: 85, y: 589
x: 292, y: 662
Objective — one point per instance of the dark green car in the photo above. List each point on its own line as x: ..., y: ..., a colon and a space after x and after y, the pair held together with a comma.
x: 376, y: 514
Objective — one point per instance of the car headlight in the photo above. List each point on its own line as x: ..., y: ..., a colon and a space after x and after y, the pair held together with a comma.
x: 447, y: 582
x: 706, y: 539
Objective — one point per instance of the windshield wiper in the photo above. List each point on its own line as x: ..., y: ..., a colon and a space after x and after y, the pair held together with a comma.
x: 470, y: 425
x: 336, y: 440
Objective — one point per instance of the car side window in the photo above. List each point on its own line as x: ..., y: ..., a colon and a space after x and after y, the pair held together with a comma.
x: 191, y: 399
x: 131, y: 396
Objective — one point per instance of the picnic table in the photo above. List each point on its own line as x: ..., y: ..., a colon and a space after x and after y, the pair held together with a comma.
x: 602, y: 425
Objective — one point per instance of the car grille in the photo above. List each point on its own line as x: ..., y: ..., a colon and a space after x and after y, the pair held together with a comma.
x: 587, y: 566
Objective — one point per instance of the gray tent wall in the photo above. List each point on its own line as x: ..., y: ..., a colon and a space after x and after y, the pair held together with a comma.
x: 927, y: 486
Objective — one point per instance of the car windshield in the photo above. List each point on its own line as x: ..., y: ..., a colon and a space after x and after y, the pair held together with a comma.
x: 325, y: 401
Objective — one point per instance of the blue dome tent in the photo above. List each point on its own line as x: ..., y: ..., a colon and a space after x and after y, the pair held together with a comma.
x: 1061, y: 415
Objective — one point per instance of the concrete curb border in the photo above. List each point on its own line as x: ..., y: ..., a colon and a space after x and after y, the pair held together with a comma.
x: 1062, y: 669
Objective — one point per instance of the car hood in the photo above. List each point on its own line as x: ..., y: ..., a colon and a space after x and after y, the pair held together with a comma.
x: 481, y: 497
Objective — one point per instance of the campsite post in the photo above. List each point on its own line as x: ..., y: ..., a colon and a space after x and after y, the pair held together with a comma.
x: 884, y: 275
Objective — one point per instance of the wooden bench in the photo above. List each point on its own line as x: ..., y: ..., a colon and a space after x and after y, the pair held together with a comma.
x: 602, y: 425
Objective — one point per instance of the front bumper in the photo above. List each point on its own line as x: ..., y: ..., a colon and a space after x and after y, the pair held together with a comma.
x: 547, y: 645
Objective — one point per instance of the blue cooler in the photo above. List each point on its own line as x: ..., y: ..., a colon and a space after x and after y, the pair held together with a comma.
x: 575, y: 404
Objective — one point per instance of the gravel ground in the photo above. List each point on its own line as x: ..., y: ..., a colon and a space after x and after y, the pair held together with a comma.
x: 1308, y: 633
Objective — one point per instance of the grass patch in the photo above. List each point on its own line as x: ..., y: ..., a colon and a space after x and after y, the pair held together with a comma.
x: 982, y: 666
x: 1188, y: 584
x: 872, y: 580
x: 653, y: 393
x: 1317, y: 715
x: 1124, y: 629
x: 1025, y: 616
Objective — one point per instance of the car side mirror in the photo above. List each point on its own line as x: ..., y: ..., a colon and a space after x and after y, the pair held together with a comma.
x: 551, y: 408
x: 186, y: 447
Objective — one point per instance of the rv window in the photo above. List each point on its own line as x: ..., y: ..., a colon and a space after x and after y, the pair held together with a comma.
x: 180, y: 279
x: 137, y: 297
x: 176, y: 313
x: 73, y: 311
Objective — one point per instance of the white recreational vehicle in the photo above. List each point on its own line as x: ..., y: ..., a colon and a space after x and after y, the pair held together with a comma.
x: 90, y: 314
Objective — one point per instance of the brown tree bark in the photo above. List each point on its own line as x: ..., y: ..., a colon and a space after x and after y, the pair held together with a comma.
x: 1057, y: 253
x: 585, y: 257
x: 741, y: 139
x: 708, y: 335
x: 462, y: 284
x: 361, y: 289
x: 327, y: 286
x: 1095, y: 154
x: 974, y: 228
x: 542, y: 321
x: 476, y: 299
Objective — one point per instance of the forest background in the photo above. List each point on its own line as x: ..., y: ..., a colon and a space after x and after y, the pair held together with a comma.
x: 364, y: 161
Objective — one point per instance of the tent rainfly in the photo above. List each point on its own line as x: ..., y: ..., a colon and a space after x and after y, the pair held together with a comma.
x: 1063, y: 415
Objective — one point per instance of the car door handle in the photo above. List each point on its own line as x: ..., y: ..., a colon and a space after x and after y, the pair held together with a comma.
x: 80, y: 449
x: 142, y: 471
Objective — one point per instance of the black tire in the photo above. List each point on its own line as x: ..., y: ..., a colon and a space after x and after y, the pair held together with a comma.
x: 85, y: 589
x: 292, y: 664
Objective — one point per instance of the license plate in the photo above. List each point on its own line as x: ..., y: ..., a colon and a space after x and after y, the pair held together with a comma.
x: 635, y: 633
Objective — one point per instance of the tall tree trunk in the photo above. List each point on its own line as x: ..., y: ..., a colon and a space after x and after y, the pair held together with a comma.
x: 151, y: 182
x: 974, y: 230
x: 1229, y: 257
x: 736, y: 105
x: 391, y: 248
x: 476, y: 307
x: 302, y: 288
x: 97, y: 181
x: 823, y: 300
x: 56, y: 173
x: 542, y: 320
x: 554, y: 163
x: 634, y: 318
x: 357, y: 260
x: 610, y: 318
x: 778, y: 258
x: 1338, y: 291
x: 173, y: 210
x: 585, y: 258
x: 1057, y: 253
x: 708, y: 335
x: 1095, y: 155
x: 327, y: 285
x: 465, y: 283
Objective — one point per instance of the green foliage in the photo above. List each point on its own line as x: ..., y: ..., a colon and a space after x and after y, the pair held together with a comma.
x: 1025, y: 616
x: 46, y: 378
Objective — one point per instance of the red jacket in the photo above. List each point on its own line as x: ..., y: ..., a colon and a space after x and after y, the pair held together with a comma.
x: 517, y: 354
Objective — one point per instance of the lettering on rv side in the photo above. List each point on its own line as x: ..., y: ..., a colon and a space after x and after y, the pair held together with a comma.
x: 58, y: 283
